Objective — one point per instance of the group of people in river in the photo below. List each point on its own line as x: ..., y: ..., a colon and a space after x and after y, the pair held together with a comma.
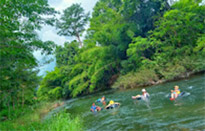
x: 174, y: 94
x: 95, y: 108
x: 112, y: 104
x: 145, y: 96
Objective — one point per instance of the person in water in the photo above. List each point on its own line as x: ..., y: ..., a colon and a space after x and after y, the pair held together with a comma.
x: 103, y: 101
x: 175, y: 93
x: 112, y: 104
x: 144, y: 95
x: 95, y: 108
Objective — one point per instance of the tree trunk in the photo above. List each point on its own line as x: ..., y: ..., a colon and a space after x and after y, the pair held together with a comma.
x: 168, y: 4
x: 79, y: 40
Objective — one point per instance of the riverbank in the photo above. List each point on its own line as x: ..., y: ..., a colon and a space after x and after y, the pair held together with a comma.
x: 32, y: 118
x: 148, y: 77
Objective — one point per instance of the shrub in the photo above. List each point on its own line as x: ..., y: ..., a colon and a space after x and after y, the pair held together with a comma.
x: 141, y: 78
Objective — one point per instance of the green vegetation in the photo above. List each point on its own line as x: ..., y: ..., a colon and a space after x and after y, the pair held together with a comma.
x: 18, y: 40
x: 97, y: 64
x: 31, y: 119
x: 130, y: 44
x: 19, y: 21
x: 173, y: 49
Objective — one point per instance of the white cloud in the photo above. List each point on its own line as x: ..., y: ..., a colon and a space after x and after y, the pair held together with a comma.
x: 63, y: 4
x: 49, y: 33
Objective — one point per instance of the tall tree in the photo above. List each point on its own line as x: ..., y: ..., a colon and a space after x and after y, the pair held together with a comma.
x: 18, y: 21
x: 73, y: 21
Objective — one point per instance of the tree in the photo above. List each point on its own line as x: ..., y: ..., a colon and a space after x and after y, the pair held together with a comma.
x: 116, y: 22
x: 73, y: 21
x: 179, y: 33
x: 18, y: 40
x: 91, y: 70
x: 65, y: 55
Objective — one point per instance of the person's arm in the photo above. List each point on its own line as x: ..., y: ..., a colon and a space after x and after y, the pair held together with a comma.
x: 138, y: 96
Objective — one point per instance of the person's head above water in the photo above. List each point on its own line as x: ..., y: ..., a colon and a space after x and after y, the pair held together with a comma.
x: 103, y: 98
x: 176, y: 87
x: 143, y: 90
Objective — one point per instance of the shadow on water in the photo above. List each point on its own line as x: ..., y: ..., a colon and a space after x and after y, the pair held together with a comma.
x: 159, y: 113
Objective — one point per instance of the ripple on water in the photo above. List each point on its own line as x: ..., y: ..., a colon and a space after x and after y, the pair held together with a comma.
x: 190, y: 87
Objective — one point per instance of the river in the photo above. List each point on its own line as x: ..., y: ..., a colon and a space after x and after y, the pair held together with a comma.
x: 186, y: 113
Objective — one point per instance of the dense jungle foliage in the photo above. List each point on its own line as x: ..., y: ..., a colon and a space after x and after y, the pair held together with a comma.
x: 128, y: 44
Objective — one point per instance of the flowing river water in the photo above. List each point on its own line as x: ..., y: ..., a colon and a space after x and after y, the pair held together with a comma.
x: 186, y: 113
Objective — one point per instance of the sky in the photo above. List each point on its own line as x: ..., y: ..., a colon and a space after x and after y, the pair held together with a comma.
x: 50, y: 33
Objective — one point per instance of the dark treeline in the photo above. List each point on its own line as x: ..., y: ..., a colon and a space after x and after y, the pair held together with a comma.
x: 128, y: 44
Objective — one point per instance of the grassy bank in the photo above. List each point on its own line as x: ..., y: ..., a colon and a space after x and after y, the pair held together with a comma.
x: 32, y: 119
x: 152, y: 74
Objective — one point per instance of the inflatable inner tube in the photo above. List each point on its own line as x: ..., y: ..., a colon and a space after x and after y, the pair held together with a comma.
x: 140, y: 98
x: 97, y: 109
x: 136, y: 98
x: 182, y: 94
x: 112, y: 106
x: 98, y: 100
